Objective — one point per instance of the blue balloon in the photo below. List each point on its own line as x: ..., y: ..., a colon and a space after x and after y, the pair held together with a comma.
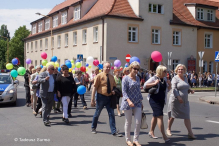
x: 14, y: 61
x: 81, y: 90
x: 59, y: 69
x: 126, y: 65
x: 87, y: 64
x: 67, y: 61
x: 41, y: 66
x: 78, y: 60
x: 68, y: 64
x: 54, y: 59
x: 134, y: 58
x: 100, y: 66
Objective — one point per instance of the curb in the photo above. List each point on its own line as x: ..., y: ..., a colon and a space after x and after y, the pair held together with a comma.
x: 204, y: 90
x: 208, y: 101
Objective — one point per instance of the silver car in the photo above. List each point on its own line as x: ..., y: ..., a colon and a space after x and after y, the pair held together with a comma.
x: 8, y: 89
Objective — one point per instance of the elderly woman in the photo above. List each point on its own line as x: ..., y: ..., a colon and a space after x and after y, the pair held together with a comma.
x: 132, y: 102
x: 158, y: 99
x: 125, y: 71
x: 119, y: 86
x: 178, y: 106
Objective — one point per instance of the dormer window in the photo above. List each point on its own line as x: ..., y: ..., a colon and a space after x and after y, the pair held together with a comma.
x: 55, y: 21
x: 156, y: 8
x: 200, y: 14
x: 77, y: 13
x: 40, y: 25
x: 210, y: 15
x: 34, y: 29
x: 47, y: 24
x: 64, y: 18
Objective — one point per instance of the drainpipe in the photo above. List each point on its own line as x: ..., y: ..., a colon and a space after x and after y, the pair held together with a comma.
x: 102, y: 38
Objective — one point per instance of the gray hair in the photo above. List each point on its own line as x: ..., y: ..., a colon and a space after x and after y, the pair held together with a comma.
x: 104, y: 63
x: 38, y: 66
x: 50, y: 66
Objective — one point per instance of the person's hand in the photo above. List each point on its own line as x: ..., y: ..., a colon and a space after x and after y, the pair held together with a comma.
x: 92, y: 103
x: 47, y: 78
x: 131, y: 104
x: 59, y: 95
x: 180, y: 99
x: 192, y: 91
x: 156, y: 82
x: 113, y: 92
x: 34, y: 82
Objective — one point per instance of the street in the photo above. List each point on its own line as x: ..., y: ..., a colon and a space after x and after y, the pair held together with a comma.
x: 19, y: 127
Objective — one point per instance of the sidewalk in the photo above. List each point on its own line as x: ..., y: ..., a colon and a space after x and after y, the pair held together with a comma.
x: 210, y: 99
x: 20, y: 78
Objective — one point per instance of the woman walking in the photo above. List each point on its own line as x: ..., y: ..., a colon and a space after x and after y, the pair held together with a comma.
x: 32, y: 91
x: 119, y: 86
x: 132, y: 103
x: 158, y: 99
x: 178, y: 106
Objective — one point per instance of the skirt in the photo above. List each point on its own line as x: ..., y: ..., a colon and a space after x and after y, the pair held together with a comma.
x: 157, y: 107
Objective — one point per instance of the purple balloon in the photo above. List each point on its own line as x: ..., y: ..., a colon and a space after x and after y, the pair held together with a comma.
x: 28, y: 61
x: 117, y: 63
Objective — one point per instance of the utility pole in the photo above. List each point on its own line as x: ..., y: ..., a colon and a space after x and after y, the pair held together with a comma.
x: 169, y: 60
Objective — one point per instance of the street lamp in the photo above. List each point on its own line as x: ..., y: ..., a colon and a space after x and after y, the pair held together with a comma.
x: 51, y: 28
x: 7, y: 46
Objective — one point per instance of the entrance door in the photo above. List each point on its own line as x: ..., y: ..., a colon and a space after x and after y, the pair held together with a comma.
x: 153, y: 65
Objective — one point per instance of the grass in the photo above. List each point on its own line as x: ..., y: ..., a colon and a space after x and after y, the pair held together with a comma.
x: 204, y: 88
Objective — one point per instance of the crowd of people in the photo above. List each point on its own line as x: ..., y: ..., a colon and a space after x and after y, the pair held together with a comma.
x: 48, y: 89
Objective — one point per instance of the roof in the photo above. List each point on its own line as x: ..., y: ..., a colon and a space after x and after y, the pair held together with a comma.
x: 181, y: 14
x: 102, y: 8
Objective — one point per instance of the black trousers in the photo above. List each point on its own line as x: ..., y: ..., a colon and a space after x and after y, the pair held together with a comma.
x: 82, y: 100
x: 39, y: 105
x: 69, y: 105
x: 27, y: 89
x: 90, y: 86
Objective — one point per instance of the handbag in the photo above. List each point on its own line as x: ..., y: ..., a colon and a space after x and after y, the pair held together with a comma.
x: 153, y: 89
x: 36, y: 86
x: 144, y: 124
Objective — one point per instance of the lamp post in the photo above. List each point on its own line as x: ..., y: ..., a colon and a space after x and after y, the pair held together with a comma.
x: 169, y: 60
x: 7, y: 46
x: 51, y: 29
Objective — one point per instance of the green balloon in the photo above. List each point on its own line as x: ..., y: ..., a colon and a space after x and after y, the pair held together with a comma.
x: 72, y: 61
x: 9, y: 66
x: 78, y: 65
x: 44, y: 62
x: 21, y: 71
x: 14, y: 73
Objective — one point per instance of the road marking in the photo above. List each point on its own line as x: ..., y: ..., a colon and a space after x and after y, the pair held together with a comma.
x: 212, y: 121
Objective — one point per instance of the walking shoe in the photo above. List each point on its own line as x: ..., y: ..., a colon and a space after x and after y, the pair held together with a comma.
x: 63, y: 119
x: 85, y: 107
x: 47, y: 123
x: 93, y: 131
x: 117, y: 135
x: 58, y: 110
x: 66, y: 121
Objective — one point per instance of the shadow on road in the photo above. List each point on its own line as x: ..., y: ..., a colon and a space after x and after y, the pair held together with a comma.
x: 20, y: 102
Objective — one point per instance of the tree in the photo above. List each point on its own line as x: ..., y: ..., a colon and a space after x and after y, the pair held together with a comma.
x: 3, y: 48
x: 4, y: 33
x: 16, y: 45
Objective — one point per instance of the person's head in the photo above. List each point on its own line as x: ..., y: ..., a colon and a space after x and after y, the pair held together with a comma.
x: 65, y: 70
x: 92, y: 71
x: 33, y: 70
x: 106, y: 67
x: 134, y: 67
x: 63, y: 66
x: 43, y: 70
x: 38, y: 68
x: 116, y: 72
x: 79, y: 73
x: 161, y: 71
x: 126, y: 71
x: 55, y: 70
x: 96, y: 71
x: 50, y: 69
x: 180, y: 69
x: 31, y: 67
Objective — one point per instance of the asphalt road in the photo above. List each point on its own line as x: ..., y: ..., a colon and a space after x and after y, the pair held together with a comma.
x: 19, y: 127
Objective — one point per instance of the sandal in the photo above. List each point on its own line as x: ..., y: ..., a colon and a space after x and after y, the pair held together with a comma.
x: 136, y: 143
x: 129, y: 143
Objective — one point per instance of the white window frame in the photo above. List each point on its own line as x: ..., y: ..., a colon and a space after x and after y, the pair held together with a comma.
x: 77, y: 13
x: 133, y: 33
x: 47, y: 24
x: 66, y: 40
x: 95, y: 34
x: 46, y: 43
x: 40, y: 26
x: 31, y: 47
x: 75, y: 38
x: 41, y: 44
x: 208, y: 37
x: 177, y: 38
x: 154, y: 34
x: 64, y: 18
x: 55, y: 21
x: 210, y: 15
x: 84, y: 34
x: 59, y: 41
x: 200, y: 14
x: 34, y: 29
x: 27, y: 47
x: 175, y: 63
x: 35, y: 45
x: 151, y: 10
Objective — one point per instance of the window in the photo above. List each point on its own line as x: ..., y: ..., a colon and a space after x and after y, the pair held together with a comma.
x: 46, y: 43
x: 200, y: 14
x: 74, y: 38
x: 95, y: 34
x: 66, y: 39
x: 40, y: 62
x: 176, y: 38
x: 210, y: 15
x: 40, y: 25
x: 35, y: 62
x: 34, y: 29
x: 133, y: 34
x: 77, y: 12
x: 175, y: 63
x: 27, y: 47
x: 155, y: 36
x: 35, y: 45
x: 52, y: 42
x: 84, y: 36
x: 59, y: 41
x: 155, y: 8
x: 205, y: 66
x: 31, y: 46
x: 55, y: 21
x: 64, y: 18
x: 208, y: 40
x: 41, y: 44
x: 47, y: 24
x: 211, y: 65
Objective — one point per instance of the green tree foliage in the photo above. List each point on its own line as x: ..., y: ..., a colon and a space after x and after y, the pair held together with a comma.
x: 4, y: 33
x: 16, y: 45
x: 3, y: 48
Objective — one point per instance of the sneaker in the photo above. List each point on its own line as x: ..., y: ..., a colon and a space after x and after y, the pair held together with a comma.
x: 117, y: 135
x: 66, y: 121
x: 58, y: 110
x: 93, y: 131
x: 47, y: 123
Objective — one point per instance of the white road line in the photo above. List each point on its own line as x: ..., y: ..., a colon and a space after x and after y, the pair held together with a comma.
x: 212, y: 121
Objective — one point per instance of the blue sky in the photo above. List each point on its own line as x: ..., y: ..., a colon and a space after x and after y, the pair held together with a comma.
x: 16, y: 13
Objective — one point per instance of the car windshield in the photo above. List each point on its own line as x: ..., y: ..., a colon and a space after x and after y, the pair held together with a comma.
x: 5, y: 79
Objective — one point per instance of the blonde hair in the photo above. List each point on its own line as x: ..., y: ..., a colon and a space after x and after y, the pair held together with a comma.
x: 125, y: 69
x: 160, y: 69
x: 133, y: 64
x: 180, y: 65
x: 43, y: 70
x: 33, y: 69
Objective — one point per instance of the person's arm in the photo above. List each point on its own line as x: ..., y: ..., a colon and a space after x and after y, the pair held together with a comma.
x: 175, y: 90
x: 150, y: 83
x: 42, y: 79
x: 125, y: 88
x: 95, y: 87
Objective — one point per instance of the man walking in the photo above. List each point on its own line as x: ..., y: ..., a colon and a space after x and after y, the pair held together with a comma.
x: 26, y: 84
x: 104, y: 84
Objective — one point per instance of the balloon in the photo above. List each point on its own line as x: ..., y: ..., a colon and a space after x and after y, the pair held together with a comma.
x: 117, y: 63
x: 82, y: 73
x: 70, y: 69
x: 44, y: 55
x: 72, y: 61
x: 100, y: 66
x: 41, y: 66
x: 14, y: 73
x: 9, y: 66
x: 28, y: 61
x: 56, y: 64
x: 21, y: 71
x: 89, y: 66
x: 50, y: 63
x: 86, y: 69
x: 68, y: 64
x: 95, y: 62
x: 81, y: 90
x: 54, y: 59
x: 156, y: 56
x: 83, y: 69
x: 78, y: 64
x: 115, y: 67
x: 134, y: 58
x: 112, y: 67
x: 73, y: 71
x: 14, y: 61
x: 67, y: 61
x: 121, y: 69
x: 90, y: 59
x: 59, y: 69
x: 99, y: 70
x: 73, y: 66
x: 44, y: 62
x: 78, y: 60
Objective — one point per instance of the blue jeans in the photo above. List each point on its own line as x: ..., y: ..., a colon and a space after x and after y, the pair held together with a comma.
x: 100, y: 103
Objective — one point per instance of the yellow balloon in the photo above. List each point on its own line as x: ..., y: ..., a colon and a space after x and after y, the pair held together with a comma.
x: 73, y: 71
x: 9, y: 66
x: 56, y: 64
x: 99, y: 70
x: 73, y: 66
x: 86, y: 69
x: 89, y: 66
x: 70, y: 69
x: 50, y: 63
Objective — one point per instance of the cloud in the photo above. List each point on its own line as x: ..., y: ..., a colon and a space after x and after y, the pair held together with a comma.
x: 14, y: 18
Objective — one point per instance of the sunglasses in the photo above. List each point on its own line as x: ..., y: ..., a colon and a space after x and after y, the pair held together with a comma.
x: 127, y: 70
x: 136, y: 69
x: 52, y: 69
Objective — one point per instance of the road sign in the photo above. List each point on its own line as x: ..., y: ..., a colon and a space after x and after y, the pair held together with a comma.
x: 80, y: 57
x: 216, y: 56
x: 128, y: 57
x: 112, y: 58
x: 201, y: 54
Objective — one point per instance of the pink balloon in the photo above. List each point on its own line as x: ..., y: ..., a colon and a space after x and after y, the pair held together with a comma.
x: 112, y: 67
x: 43, y: 55
x: 96, y: 62
x: 115, y: 67
x: 156, y: 56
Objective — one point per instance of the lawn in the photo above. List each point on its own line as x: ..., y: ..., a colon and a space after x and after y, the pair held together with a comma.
x: 204, y: 88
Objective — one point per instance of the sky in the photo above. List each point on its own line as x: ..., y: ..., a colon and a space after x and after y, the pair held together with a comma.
x: 16, y: 13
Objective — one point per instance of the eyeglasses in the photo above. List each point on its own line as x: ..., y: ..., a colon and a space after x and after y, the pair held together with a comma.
x: 127, y: 70
x: 136, y: 69
x: 52, y: 68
